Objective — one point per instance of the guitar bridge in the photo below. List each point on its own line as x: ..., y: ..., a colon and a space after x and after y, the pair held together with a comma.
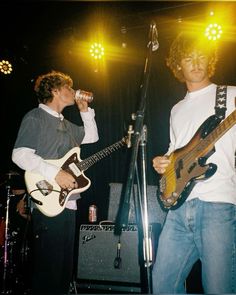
x: 45, y: 187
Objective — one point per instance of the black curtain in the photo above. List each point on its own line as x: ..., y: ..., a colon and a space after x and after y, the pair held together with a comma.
x: 41, y: 45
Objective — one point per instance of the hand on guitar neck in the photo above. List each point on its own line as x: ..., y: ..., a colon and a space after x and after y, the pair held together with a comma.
x: 160, y: 163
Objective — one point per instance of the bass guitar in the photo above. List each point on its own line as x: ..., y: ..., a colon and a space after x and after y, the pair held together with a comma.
x: 188, y: 164
x: 49, y: 197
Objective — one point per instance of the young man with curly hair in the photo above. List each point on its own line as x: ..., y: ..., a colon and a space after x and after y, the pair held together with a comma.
x: 45, y: 134
x: 204, y: 226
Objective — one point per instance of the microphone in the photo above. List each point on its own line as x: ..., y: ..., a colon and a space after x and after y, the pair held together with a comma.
x: 155, y: 43
x: 153, y: 37
x: 118, y: 261
x: 83, y: 95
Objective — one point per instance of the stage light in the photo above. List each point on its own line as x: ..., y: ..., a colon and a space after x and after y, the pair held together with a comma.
x: 123, y: 31
x: 213, y: 32
x: 180, y: 20
x: 97, y: 51
x: 5, y: 67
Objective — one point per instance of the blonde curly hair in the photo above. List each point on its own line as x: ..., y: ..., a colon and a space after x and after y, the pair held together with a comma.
x: 44, y: 85
x: 184, y: 44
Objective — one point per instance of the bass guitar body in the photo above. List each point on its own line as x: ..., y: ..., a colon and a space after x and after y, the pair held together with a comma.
x: 188, y: 166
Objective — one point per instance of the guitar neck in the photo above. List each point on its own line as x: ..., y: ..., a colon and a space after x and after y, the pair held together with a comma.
x: 85, y: 164
x: 217, y: 133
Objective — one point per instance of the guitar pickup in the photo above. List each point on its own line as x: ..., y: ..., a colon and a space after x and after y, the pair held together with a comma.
x: 75, y: 169
x: 179, y: 168
x: 190, y: 169
x: 45, y: 187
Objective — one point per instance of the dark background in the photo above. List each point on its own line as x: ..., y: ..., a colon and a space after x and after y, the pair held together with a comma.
x: 40, y: 36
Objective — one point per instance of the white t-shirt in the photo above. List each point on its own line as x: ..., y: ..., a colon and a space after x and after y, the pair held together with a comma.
x: 186, y: 117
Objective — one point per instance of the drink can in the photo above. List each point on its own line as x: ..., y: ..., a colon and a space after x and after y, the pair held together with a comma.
x: 83, y: 95
x: 92, y: 213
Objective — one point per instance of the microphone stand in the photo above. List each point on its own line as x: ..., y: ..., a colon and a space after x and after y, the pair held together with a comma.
x: 139, y: 138
x: 6, y: 261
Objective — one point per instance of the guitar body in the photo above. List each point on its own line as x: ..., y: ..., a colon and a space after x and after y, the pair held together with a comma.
x: 188, y: 166
x: 49, y: 197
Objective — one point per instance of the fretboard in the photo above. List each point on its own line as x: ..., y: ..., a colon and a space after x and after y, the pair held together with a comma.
x: 85, y: 164
x: 217, y: 133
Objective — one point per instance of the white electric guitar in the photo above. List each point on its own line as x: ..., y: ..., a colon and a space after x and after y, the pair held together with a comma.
x: 49, y: 197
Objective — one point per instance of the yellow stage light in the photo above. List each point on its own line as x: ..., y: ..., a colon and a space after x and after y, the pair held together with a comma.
x: 97, y: 51
x: 5, y: 67
x: 213, y: 32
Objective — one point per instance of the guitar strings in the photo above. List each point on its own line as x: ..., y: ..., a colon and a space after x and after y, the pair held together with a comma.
x: 85, y: 164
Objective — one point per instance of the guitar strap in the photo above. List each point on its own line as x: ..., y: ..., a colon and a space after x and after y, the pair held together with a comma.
x: 220, y: 105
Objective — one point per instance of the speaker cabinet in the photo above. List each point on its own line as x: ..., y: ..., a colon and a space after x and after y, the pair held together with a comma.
x: 155, y: 212
x: 109, y: 261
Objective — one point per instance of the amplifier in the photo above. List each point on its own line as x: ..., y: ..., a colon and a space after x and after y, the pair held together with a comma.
x: 107, y: 258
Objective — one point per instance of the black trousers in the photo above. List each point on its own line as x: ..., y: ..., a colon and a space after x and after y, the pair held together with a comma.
x: 53, y: 252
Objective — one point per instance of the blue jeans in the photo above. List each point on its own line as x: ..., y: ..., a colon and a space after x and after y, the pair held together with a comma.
x: 197, y: 230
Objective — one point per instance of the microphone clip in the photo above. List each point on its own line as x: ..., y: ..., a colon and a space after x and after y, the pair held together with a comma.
x: 130, y: 132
